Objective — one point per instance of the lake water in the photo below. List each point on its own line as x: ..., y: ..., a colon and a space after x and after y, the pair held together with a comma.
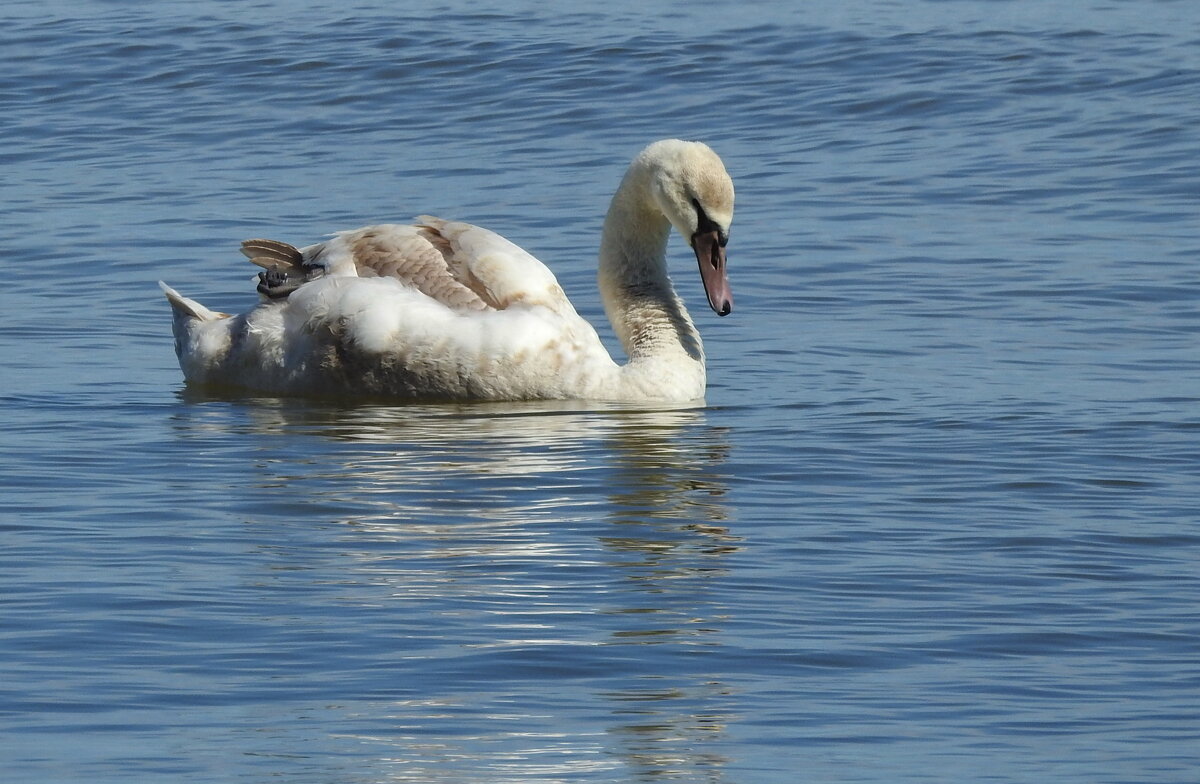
x: 937, y: 521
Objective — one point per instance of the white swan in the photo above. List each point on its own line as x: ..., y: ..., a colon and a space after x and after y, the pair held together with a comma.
x: 449, y: 311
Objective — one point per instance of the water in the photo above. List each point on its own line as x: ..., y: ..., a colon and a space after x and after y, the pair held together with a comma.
x: 936, y: 522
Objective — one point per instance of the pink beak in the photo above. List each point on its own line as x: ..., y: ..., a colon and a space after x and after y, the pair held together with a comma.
x: 711, y: 255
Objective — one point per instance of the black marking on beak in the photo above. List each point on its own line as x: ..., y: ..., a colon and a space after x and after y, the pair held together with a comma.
x: 709, y: 244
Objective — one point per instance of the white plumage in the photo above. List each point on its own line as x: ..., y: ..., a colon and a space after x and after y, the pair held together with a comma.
x: 441, y: 310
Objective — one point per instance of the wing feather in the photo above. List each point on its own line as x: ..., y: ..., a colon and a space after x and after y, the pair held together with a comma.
x: 462, y: 266
x: 262, y: 252
x: 500, y: 272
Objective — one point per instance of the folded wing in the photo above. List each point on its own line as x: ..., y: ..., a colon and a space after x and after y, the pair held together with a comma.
x: 462, y: 266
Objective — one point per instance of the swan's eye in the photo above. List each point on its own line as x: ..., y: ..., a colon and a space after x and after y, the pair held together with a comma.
x: 706, y: 224
x: 703, y: 222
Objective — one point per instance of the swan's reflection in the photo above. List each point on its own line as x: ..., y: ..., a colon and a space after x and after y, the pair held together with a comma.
x: 555, y: 535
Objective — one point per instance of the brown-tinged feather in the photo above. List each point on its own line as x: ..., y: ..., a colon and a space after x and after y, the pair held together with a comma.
x: 422, y: 260
x: 274, y: 250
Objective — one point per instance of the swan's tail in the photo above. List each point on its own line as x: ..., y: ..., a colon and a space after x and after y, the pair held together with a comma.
x: 188, y: 308
x: 202, y: 336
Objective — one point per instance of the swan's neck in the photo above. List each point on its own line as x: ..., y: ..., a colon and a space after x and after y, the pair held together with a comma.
x: 648, y: 317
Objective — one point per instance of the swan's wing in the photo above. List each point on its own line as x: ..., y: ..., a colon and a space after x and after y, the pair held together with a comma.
x: 501, y: 273
x: 404, y: 253
x: 464, y: 267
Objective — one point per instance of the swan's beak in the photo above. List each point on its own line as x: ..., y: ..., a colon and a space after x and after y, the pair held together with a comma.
x: 711, y: 255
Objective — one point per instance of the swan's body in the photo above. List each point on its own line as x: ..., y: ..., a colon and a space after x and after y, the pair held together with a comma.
x: 449, y: 311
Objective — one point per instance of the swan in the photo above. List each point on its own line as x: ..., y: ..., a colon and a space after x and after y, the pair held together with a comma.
x: 443, y: 310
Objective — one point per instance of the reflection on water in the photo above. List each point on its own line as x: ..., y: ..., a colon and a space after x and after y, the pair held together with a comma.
x: 541, y: 548
x: 670, y: 733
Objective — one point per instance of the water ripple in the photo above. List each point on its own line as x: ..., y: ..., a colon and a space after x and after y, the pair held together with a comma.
x: 937, y: 514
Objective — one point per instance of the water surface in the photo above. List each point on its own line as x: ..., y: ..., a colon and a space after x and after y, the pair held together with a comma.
x: 935, y: 522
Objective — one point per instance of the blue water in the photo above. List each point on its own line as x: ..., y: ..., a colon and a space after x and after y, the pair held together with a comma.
x: 937, y: 521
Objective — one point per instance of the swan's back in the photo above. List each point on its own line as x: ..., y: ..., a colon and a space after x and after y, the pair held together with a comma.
x: 462, y: 266
x: 436, y: 310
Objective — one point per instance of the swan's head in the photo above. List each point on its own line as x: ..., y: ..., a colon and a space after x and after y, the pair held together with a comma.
x: 691, y: 187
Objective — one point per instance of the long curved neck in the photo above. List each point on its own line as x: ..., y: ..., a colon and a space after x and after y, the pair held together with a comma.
x: 649, y: 318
